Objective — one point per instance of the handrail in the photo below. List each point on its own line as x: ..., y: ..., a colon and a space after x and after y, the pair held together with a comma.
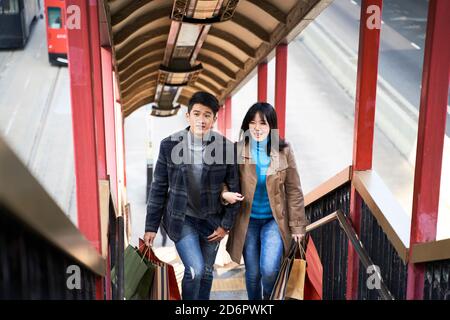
x: 321, y: 222
x: 378, y: 198
x: 430, y: 251
x: 391, y: 217
x: 356, y: 243
x: 27, y: 200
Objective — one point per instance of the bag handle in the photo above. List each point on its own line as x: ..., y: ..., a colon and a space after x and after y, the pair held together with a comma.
x: 143, y: 253
x: 296, y: 245
x: 151, y: 254
x: 302, y: 250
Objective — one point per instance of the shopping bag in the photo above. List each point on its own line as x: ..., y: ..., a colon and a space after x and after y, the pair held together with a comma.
x: 312, y: 276
x: 314, y: 273
x: 134, y: 270
x: 144, y: 287
x: 279, y: 289
x: 160, y: 289
x: 296, y: 282
x: 164, y: 286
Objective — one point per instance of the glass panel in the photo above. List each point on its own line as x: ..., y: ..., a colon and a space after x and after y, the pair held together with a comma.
x: 402, y: 45
x: 9, y: 6
x: 443, y: 231
x: 320, y: 94
x: 54, y: 18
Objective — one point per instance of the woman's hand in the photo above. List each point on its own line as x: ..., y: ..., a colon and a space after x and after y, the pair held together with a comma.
x: 232, y: 197
x: 298, y: 237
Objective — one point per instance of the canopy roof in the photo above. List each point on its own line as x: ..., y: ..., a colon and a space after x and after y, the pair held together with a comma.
x: 166, y: 50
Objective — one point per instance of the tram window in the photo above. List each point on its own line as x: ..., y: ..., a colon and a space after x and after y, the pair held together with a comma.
x: 54, y: 18
x: 9, y: 6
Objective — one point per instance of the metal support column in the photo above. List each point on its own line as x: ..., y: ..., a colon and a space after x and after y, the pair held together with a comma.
x: 430, y: 141
x: 366, y: 93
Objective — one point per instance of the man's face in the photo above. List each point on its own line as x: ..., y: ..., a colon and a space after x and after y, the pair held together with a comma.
x: 201, y: 119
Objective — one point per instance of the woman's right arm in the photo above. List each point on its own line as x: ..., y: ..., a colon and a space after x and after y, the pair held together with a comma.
x: 294, y: 196
x: 230, y: 197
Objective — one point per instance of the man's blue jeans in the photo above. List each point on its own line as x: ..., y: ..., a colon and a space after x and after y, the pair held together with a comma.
x: 263, y: 251
x: 198, y: 256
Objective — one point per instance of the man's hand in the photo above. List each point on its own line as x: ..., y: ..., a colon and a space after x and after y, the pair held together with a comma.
x: 217, y: 235
x: 148, y: 238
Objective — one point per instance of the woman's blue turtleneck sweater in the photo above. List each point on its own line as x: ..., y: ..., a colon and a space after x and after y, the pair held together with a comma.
x: 261, y: 205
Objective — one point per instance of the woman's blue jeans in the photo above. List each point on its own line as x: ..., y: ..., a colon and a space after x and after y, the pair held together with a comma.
x: 198, y: 256
x: 263, y: 251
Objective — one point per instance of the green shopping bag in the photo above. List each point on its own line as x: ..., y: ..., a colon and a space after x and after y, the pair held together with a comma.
x: 144, y: 286
x: 134, y: 270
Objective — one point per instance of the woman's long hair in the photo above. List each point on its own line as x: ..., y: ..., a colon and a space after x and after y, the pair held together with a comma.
x: 265, y: 110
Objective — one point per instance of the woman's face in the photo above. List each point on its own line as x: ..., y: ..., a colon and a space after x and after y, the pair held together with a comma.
x: 259, y: 127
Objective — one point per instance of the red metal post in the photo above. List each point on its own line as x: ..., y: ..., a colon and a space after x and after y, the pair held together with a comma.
x: 124, y: 152
x: 221, y: 120
x: 110, y: 136
x: 366, y: 93
x: 262, y: 82
x: 430, y: 141
x: 94, y: 33
x: 228, y: 123
x: 280, y: 86
x: 97, y: 88
x: 352, y: 256
x: 84, y: 133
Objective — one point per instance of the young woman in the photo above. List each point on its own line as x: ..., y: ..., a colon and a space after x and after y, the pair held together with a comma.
x: 272, y: 210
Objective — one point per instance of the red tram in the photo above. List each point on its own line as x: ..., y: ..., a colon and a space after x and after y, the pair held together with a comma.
x: 55, y: 14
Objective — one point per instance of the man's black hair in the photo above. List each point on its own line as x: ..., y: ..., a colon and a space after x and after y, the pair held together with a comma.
x: 206, y: 99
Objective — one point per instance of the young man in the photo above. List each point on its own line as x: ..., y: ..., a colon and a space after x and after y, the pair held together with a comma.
x: 185, y: 195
